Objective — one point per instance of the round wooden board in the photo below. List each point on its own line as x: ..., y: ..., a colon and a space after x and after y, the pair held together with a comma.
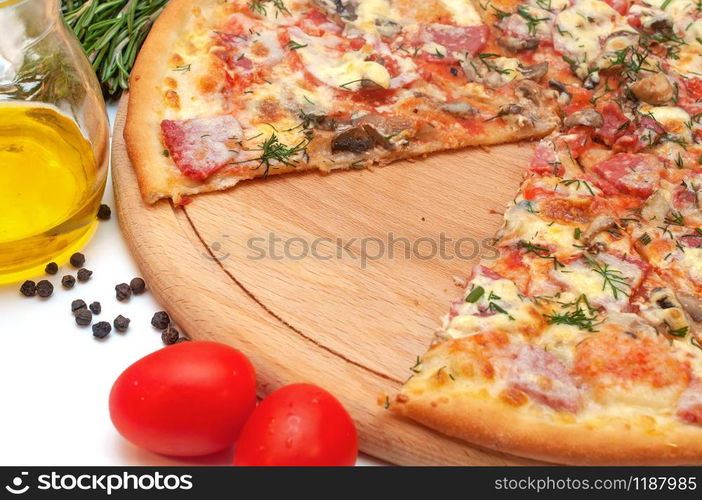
x: 354, y: 326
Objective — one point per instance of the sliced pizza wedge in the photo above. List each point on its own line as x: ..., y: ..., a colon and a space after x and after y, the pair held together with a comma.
x: 225, y: 91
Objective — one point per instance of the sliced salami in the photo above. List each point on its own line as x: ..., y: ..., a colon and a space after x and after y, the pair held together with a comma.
x: 201, y: 146
x: 542, y: 376
x: 630, y: 174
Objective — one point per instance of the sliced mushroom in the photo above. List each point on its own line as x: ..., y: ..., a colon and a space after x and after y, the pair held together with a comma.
x: 322, y: 122
x: 692, y: 305
x: 591, y: 80
x: 598, y: 224
x: 459, y: 108
x: 378, y: 138
x: 585, y: 117
x: 535, y: 72
x: 359, y: 140
x: 345, y: 9
x: 596, y: 248
x: 368, y: 84
x: 517, y: 115
x: 657, y: 23
x: 386, y: 124
x: 387, y: 27
x: 511, y: 109
x: 654, y: 89
x: 355, y: 140
x: 560, y: 87
x: 667, y: 313
x: 530, y: 90
x: 469, y: 70
x: 494, y: 79
x: 515, y: 44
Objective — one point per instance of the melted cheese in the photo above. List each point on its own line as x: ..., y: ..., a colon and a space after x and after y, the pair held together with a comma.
x: 367, y: 11
x: 675, y: 120
x: 689, y: 62
x: 519, y: 310
x: 691, y: 262
x: 580, y: 278
x: 462, y: 12
x: 693, y: 33
x: 560, y: 340
x: 582, y: 27
x: 521, y: 225
x: 679, y: 10
x: 345, y: 71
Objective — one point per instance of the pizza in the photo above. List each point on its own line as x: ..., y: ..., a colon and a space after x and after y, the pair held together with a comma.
x: 581, y: 342
x: 227, y: 91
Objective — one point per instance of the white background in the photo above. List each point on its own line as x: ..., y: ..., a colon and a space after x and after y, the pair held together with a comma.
x: 55, y: 378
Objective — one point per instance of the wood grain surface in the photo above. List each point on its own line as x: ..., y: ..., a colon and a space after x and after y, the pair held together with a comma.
x: 338, y: 279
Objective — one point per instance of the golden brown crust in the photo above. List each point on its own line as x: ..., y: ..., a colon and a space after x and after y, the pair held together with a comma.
x: 494, y: 424
x: 156, y: 174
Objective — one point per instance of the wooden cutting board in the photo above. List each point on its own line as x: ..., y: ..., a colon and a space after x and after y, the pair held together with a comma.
x: 298, y: 273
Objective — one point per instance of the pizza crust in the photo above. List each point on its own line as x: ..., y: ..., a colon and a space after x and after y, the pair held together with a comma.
x: 493, y: 424
x: 157, y: 175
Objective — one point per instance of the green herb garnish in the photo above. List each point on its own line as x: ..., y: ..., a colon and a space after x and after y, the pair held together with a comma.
x: 475, y: 294
x: 612, y: 278
x: 274, y: 152
x: 585, y: 318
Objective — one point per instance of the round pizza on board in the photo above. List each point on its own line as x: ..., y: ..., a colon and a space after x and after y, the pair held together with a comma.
x: 582, y: 341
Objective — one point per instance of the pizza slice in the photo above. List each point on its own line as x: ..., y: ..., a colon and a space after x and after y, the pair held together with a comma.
x: 570, y: 347
x: 225, y: 91
x: 560, y: 379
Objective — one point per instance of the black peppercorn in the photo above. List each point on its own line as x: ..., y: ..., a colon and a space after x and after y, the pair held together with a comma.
x: 123, y: 292
x: 182, y: 339
x: 84, y: 317
x: 95, y: 307
x: 28, y: 288
x: 121, y: 323
x: 84, y: 274
x: 68, y: 281
x: 45, y: 288
x: 104, y: 212
x: 101, y: 329
x: 77, y: 260
x: 78, y: 305
x: 137, y: 285
x: 51, y: 268
x: 170, y: 335
x: 161, y: 320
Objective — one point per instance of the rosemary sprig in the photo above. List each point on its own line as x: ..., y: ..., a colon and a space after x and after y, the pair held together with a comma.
x: 111, y: 33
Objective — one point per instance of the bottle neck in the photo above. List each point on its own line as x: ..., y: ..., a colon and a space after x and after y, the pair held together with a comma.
x: 28, y: 19
x: 24, y: 24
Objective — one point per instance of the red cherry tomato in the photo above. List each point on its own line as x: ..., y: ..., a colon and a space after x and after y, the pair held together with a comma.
x: 300, y: 425
x: 188, y: 399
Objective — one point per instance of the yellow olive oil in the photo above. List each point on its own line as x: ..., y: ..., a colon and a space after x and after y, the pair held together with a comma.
x: 50, y: 188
